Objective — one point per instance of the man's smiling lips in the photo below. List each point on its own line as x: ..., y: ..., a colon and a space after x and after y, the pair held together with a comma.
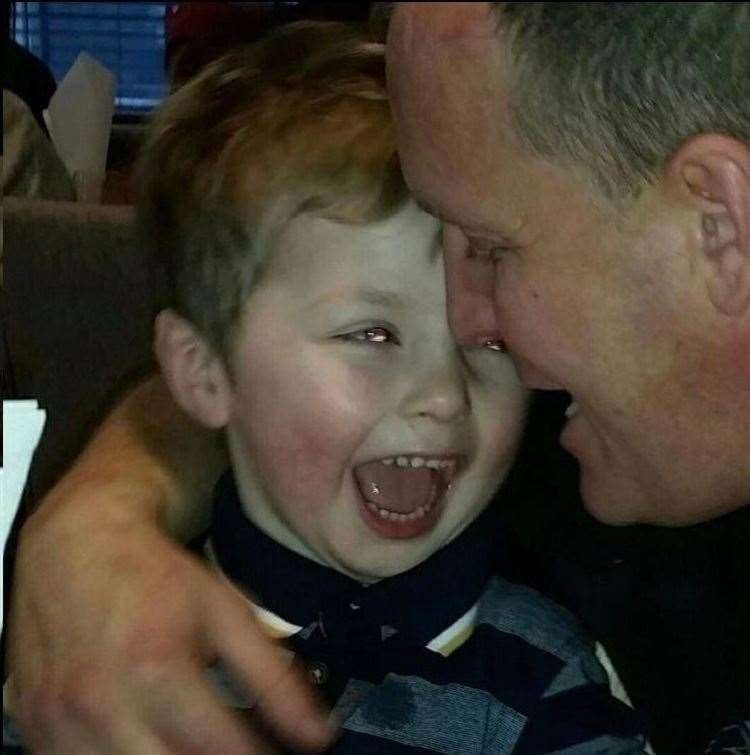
x: 536, y: 380
x: 402, y: 495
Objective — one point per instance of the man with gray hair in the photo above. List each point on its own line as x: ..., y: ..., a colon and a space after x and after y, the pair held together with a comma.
x: 591, y: 163
x: 608, y: 169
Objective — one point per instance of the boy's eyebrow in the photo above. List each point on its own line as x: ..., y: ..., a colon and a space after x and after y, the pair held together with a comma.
x: 364, y: 294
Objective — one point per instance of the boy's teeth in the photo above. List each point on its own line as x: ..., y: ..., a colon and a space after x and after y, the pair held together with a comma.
x: 394, y: 516
x: 416, y: 462
x: 404, y: 488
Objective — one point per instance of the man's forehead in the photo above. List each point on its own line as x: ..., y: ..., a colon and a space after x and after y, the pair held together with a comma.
x: 449, y: 22
x: 457, y: 153
x: 448, y: 78
x: 454, y: 37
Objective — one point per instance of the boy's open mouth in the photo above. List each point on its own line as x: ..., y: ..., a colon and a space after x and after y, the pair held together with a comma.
x: 401, y: 494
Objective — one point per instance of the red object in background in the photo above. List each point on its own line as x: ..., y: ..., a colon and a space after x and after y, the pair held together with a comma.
x: 186, y: 22
x: 197, y: 33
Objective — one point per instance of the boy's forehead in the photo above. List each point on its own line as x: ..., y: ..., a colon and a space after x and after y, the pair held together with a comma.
x: 321, y: 266
x: 313, y: 246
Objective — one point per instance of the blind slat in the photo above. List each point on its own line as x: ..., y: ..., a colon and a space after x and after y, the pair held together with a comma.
x: 127, y: 38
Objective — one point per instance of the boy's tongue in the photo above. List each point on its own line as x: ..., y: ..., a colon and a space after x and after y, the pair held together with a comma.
x: 399, y: 489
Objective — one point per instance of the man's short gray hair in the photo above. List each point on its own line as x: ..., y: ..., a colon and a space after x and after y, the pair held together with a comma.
x: 617, y: 87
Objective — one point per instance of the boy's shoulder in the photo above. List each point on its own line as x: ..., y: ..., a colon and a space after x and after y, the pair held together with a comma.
x: 521, y: 611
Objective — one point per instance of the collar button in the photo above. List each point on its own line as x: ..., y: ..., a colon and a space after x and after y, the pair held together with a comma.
x: 318, y: 672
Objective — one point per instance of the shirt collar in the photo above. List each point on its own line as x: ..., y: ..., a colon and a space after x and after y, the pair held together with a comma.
x: 419, y: 603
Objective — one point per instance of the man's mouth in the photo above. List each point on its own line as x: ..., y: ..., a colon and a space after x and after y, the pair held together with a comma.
x: 572, y: 410
x: 403, y: 493
x: 577, y: 432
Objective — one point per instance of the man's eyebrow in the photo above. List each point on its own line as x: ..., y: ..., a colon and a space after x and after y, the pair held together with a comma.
x: 431, y: 210
x: 428, y: 208
x: 467, y: 228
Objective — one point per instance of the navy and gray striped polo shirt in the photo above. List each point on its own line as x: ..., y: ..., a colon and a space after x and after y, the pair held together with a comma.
x: 444, y: 658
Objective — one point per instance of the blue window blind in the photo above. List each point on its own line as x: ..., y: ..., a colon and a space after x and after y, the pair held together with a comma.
x: 127, y: 38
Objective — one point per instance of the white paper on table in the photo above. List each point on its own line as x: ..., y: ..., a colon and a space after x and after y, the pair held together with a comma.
x: 23, y: 422
x: 79, y: 116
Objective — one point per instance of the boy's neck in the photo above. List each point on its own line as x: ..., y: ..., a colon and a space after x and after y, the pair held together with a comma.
x: 421, y: 602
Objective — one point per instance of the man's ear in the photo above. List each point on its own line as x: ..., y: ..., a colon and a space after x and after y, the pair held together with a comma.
x: 193, y: 371
x: 712, y: 172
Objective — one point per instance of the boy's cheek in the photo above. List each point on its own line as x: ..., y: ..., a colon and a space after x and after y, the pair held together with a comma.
x: 501, y: 429
x: 301, y: 454
x: 307, y: 426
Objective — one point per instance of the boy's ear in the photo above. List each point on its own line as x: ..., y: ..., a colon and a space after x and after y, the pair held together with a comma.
x: 712, y: 172
x: 194, y: 373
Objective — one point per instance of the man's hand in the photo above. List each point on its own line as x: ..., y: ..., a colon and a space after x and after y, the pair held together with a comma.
x: 112, y: 626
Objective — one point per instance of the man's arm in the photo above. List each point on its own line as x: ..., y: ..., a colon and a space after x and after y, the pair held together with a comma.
x: 147, y: 447
x: 112, y: 624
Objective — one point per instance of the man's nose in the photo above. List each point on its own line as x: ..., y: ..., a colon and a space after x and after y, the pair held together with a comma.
x: 439, y: 394
x: 469, y: 292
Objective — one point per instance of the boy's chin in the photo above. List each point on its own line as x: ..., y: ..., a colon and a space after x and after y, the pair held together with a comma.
x: 391, y: 557
x: 385, y: 566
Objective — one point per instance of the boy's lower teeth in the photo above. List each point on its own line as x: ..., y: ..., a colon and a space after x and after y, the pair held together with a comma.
x: 394, y: 516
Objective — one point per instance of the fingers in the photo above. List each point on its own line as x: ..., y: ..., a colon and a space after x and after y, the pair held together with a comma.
x: 77, y: 726
x: 287, y: 703
x: 131, y: 737
x: 164, y: 711
x: 189, y: 715
x: 109, y: 669
x: 125, y: 739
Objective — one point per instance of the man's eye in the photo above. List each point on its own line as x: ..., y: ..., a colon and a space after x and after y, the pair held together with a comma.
x: 498, y: 252
x: 371, y: 335
x: 493, y: 254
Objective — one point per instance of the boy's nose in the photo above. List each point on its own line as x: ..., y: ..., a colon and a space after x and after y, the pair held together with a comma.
x: 441, y: 395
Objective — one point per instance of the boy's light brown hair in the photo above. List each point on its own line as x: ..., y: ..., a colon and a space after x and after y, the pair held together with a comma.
x: 298, y: 122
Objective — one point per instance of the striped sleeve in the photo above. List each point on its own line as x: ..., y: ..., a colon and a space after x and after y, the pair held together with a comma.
x: 527, y: 682
x: 571, y: 708
x: 578, y: 715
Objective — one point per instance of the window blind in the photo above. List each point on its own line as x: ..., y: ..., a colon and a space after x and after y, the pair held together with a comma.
x: 127, y: 38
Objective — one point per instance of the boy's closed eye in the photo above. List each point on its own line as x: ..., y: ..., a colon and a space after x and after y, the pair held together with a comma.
x: 376, y: 334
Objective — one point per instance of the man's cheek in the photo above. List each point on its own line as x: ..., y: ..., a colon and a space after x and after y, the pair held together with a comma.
x: 532, y: 328
x: 742, y: 356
